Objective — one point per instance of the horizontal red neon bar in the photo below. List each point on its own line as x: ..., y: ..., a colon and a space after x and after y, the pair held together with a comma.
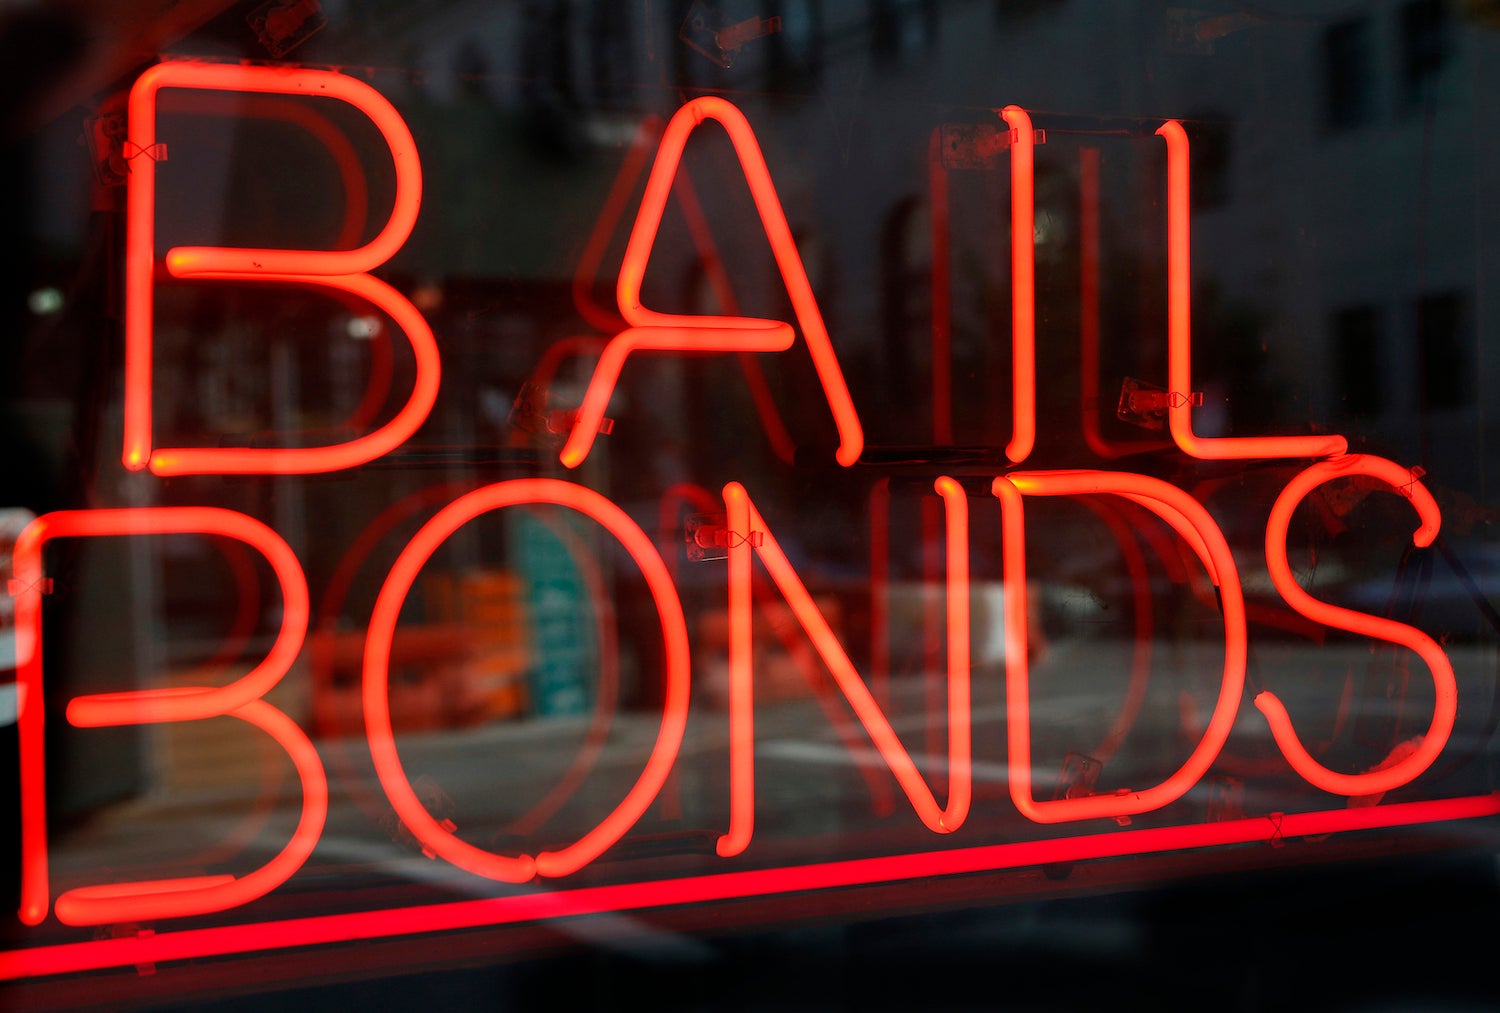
x: 69, y: 958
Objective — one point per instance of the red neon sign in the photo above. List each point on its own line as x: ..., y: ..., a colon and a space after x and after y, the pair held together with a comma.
x: 747, y: 537
x: 1404, y: 482
x: 1180, y: 333
x: 1193, y: 523
x: 343, y: 271
x: 655, y: 331
x: 100, y: 905
x: 748, y: 528
x: 376, y: 674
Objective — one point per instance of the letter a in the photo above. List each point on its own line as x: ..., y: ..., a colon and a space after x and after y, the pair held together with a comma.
x: 653, y: 331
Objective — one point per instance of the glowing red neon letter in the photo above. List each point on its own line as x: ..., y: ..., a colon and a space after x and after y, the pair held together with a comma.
x: 1188, y: 518
x: 1180, y: 333
x: 653, y: 331
x: 1023, y: 284
x: 341, y: 270
x: 398, y: 583
x: 172, y: 898
x: 743, y: 519
x: 1445, y: 707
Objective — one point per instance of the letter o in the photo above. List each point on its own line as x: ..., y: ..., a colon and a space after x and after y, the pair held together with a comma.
x: 398, y: 583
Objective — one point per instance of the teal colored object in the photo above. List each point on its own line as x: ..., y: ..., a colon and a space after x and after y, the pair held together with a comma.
x: 560, y: 616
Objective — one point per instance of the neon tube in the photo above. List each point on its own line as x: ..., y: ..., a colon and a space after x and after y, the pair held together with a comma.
x: 960, y: 725
x: 341, y: 270
x: 320, y: 127
x: 744, y: 519
x: 189, y: 944
x: 609, y: 320
x: 1023, y: 284
x: 382, y: 628
x: 1180, y: 333
x: 742, y: 593
x: 753, y: 336
x: 718, y: 333
x: 1445, y: 709
x: 605, y: 318
x: 153, y: 705
x: 1182, y: 512
x: 121, y: 903
x: 741, y: 674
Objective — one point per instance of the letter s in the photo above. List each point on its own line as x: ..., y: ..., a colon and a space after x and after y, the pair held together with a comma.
x: 1445, y: 709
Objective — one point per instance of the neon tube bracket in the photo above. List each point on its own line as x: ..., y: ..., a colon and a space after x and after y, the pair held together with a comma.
x: 1080, y: 779
x: 1146, y: 405
x: 709, y: 537
x: 547, y: 417
x: 969, y: 146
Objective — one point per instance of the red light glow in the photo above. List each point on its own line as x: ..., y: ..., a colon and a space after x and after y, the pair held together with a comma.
x: 651, y: 330
x: 382, y: 629
x: 1022, y: 283
x: 1180, y: 333
x: 743, y: 519
x: 188, y: 944
x: 744, y: 335
x: 1185, y: 515
x: 1445, y: 709
x: 1088, y: 314
x: 339, y: 270
x: 241, y: 698
x: 609, y: 320
x: 344, y: 274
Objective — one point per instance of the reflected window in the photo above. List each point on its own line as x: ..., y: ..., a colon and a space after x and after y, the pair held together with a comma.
x: 1424, y: 49
x: 1346, y: 74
